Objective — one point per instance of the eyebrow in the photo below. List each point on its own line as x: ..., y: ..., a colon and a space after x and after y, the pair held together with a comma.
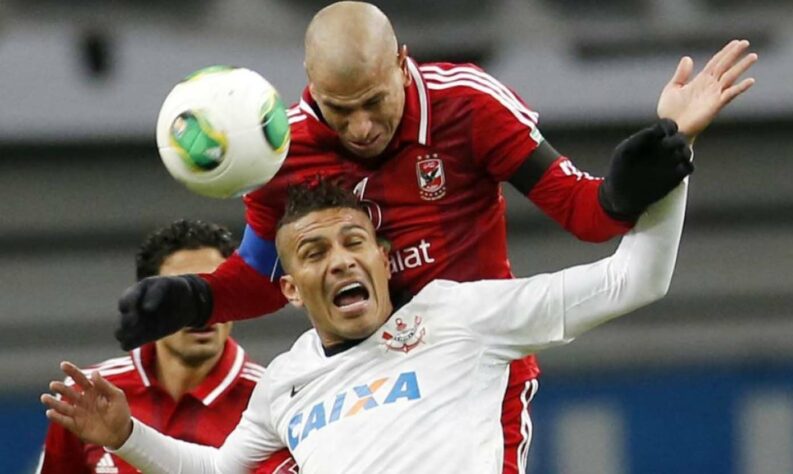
x: 351, y: 227
x: 374, y: 97
x: 345, y: 229
x: 308, y: 241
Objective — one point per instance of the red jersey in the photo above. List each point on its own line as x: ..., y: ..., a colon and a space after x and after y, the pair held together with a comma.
x: 434, y: 193
x: 205, y: 415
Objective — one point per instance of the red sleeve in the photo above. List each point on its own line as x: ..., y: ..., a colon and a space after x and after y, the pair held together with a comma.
x: 570, y: 197
x: 240, y: 292
x: 280, y: 462
x: 505, y: 134
x: 246, y: 284
x: 63, y: 452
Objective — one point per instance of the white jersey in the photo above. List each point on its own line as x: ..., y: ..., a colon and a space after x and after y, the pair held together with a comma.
x: 423, y: 393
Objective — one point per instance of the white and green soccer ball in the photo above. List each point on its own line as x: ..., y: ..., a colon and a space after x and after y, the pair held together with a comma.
x: 223, y: 131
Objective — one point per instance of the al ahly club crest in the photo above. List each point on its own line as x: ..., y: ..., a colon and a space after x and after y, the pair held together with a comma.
x: 405, y: 338
x: 432, y: 181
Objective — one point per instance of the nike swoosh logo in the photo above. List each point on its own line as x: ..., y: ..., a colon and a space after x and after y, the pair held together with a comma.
x: 295, y: 390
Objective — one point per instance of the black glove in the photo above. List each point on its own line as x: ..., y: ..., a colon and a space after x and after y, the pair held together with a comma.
x: 644, y: 168
x: 158, y: 306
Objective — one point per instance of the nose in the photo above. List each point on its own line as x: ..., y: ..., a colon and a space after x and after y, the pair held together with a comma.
x: 359, y: 126
x: 341, y: 261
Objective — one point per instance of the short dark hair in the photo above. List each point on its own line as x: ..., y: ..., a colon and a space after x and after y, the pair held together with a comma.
x: 183, y: 234
x: 316, y: 195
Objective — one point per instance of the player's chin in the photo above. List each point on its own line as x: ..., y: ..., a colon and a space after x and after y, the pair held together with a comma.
x: 198, y: 356
x: 369, y: 150
x: 359, y: 327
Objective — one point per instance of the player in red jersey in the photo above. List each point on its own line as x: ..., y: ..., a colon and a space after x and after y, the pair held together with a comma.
x: 426, y: 147
x: 193, y: 385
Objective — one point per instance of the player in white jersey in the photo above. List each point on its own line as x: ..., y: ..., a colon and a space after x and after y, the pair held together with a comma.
x: 419, y: 389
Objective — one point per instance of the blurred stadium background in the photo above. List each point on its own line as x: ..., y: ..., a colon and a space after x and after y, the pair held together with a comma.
x: 701, y: 382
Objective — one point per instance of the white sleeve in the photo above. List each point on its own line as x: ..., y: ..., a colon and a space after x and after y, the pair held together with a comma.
x: 252, y: 441
x: 522, y: 316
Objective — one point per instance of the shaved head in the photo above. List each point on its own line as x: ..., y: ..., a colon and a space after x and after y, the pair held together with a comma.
x: 357, y: 75
x: 349, y: 41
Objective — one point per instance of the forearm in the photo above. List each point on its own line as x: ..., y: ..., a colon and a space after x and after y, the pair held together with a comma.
x: 638, y: 273
x: 239, y: 291
x: 570, y: 197
x: 153, y: 452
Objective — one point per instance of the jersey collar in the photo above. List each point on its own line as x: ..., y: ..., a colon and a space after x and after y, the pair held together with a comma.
x: 218, y: 381
x: 415, y: 124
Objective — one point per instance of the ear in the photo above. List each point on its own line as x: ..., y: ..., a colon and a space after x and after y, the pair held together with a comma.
x: 384, y: 255
x: 311, y: 91
x: 402, y: 58
x: 291, y: 291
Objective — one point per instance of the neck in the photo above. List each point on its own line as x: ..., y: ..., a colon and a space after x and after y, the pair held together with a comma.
x: 176, y: 376
x: 339, y: 347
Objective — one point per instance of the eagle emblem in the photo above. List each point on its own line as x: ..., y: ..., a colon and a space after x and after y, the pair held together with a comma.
x: 431, y: 179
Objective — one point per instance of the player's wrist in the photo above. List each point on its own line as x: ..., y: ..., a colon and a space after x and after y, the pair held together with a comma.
x: 123, y: 436
x: 613, y: 206
x: 201, y: 295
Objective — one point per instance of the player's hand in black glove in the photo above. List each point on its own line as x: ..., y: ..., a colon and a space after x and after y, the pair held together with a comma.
x: 644, y: 168
x: 158, y: 306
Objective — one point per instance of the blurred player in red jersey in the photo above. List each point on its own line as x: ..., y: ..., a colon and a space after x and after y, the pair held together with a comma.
x: 193, y: 385
x: 426, y: 147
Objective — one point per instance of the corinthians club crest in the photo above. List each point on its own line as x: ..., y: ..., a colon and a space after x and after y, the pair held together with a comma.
x: 431, y: 180
x: 406, y: 337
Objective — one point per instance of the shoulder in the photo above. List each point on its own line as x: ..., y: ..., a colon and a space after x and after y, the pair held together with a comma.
x: 437, y: 292
x: 251, y: 371
x: 298, y: 123
x: 462, y: 294
x: 309, y: 156
x: 438, y: 286
x: 470, y: 82
x: 118, y: 371
x: 463, y: 79
x: 300, y: 362
x: 301, y: 357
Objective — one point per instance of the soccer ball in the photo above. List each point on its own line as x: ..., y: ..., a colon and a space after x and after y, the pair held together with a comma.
x: 223, y: 131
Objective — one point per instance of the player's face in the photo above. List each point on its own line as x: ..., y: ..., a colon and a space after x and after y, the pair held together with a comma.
x: 365, y: 113
x: 338, y: 272
x: 193, y: 347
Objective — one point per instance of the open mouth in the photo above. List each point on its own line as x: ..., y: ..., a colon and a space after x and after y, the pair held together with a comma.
x: 350, y: 294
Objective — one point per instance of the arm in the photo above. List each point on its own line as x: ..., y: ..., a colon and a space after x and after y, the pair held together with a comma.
x: 513, y: 318
x: 508, y: 146
x: 596, y: 211
x: 568, y: 196
x: 244, y: 286
x: 523, y: 316
x: 98, y: 413
x: 638, y: 176
x: 638, y: 273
